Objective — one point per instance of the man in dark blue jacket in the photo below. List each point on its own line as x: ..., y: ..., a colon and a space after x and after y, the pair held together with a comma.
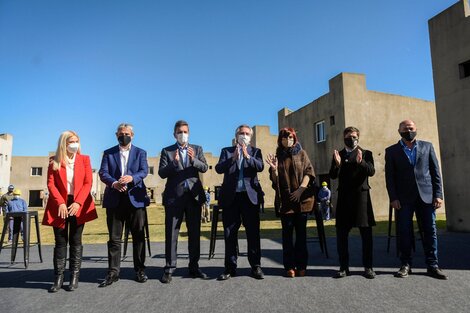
x: 414, y: 185
x: 239, y: 199
x: 123, y: 169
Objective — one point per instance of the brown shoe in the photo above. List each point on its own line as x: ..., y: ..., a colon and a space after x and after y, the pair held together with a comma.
x: 301, y: 273
x: 290, y: 273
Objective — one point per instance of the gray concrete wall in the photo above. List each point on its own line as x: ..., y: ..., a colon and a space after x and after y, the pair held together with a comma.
x: 377, y: 116
x: 449, y: 34
x: 21, y: 174
x: 267, y: 142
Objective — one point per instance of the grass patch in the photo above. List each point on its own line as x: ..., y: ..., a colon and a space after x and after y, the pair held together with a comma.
x: 97, y: 232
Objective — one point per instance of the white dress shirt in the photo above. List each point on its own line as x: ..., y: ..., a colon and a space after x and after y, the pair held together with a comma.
x: 124, y: 155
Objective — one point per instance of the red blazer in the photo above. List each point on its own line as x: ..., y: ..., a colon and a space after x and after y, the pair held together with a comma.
x: 57, y: 185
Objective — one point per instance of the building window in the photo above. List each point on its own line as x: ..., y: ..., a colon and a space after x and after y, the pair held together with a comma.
x: 151, y: 170
x: 332, y: 120
x: 464, y: 69
x: 36, y: 171
x: 320, y: 134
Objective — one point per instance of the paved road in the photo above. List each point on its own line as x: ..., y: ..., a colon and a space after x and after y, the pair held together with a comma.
x: 26, y: 290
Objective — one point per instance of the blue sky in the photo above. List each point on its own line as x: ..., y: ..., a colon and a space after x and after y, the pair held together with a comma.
x: 89, y: 65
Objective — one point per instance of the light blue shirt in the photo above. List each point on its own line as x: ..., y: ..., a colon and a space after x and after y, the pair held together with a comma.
x: 410, y: 153
x: 17, y: 205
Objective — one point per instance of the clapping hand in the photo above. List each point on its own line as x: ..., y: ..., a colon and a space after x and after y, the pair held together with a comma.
x: 190, y: 154
x: 359, y: 156
x: 176, y: 158
x: 244, y: 151
x: 337, y: 158
x: 272, y: 161
x: 235, y: 153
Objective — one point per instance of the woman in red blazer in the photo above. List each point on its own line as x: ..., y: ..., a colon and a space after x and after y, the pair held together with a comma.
x: 69, y: 206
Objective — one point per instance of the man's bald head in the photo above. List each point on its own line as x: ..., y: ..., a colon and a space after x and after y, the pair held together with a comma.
x: 407, y: 130
x: 406, y: 125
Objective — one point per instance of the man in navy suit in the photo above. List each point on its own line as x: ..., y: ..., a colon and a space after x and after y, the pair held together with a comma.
x: 414, y: 185
x: 184, y: 195
x: 123, y: 169
x: 239, y: 199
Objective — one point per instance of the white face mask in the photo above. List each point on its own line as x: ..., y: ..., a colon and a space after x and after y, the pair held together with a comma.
x: 324, y: 187
x: 182, y: 138
x: 73, y: 147
x: 290, y: 142
x: 244, y: 139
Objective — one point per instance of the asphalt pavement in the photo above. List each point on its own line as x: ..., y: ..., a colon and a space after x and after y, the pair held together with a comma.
x: 25, y: 290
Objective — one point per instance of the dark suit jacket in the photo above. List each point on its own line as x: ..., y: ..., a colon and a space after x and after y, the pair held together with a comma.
x: 176, y: 175
x: 229, y: 168
x: 405, y: 182
x: 110, y: 171
x: 354, y: 206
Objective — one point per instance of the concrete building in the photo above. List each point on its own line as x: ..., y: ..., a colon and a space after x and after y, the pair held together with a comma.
x: 320, y: 126
x: 449, y: 34
x: 6, y: 147
x: 29, y: 173
x: 267, y: 142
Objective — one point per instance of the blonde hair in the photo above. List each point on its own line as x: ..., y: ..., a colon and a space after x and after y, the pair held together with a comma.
x: 61, y: 151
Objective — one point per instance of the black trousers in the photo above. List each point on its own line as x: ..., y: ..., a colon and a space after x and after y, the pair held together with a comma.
x: 191, y: 210
x: 71, y: 234
x: 241, y: 210
x: 125, y: 212
x: 342, y: 234
x: 295, y: 255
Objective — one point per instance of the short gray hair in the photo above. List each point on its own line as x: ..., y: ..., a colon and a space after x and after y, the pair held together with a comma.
x: 243, y: 126
x: 125, y: 125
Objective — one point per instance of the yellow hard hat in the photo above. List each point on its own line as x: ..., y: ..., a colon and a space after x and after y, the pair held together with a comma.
x: 17, y: 192
x: 206, y: 188
x: 324, y: 184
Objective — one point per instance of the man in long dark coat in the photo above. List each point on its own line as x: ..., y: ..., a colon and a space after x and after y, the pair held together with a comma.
x: 353, y: 166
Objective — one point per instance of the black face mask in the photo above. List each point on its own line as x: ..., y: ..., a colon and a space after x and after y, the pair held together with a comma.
x: 351, y: 143
x: 124, y: 140
x: 408, y: 135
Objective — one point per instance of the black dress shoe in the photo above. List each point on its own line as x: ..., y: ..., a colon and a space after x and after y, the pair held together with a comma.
x: 342, y: 273
x: 403, y: 272
x: 198, y: 274
x: 369, y: 273
x: 436, y: 272
x: 227, y: 274
x: 141, y: 277
x: 257, y: 273
x: 109, y: 279
x: 166, y: 278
